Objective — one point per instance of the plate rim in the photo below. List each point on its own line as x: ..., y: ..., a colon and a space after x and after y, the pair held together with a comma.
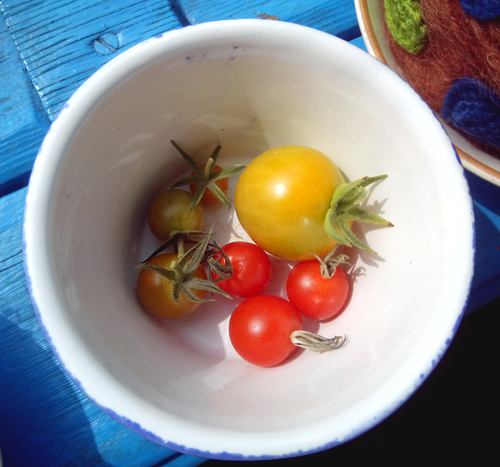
x: 479, y: 168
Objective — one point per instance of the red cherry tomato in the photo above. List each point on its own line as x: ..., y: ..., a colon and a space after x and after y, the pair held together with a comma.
x: 251, y: 269
x: 315, y: 296
x: 260, y: 329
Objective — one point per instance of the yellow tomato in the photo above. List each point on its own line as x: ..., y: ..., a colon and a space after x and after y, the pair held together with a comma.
x: 282, y: 198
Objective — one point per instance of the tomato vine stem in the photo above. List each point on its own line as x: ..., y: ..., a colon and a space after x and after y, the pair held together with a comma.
x: 205, y: 177
x: 311, y: 341
x: 182, y: 272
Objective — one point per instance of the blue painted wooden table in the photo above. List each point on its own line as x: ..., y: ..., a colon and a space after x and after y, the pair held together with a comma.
x: 47, y: 49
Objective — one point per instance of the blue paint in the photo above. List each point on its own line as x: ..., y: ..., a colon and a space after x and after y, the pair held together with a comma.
x: 359, y: 42
x: 486, y: 235
x: 60, y: 52
x: 23, y: 120
x: 24, y: 430
x: 473, y: 108
x: 57, y: 49
x: 16, y: 182
x: 482, y: 9
x: 333, y: 16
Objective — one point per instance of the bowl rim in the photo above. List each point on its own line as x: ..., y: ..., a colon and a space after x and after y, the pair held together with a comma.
x: 471, y: 163
x: 38, y: 189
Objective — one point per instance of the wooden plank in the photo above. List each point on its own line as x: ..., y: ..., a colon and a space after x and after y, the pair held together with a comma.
x: 334, y: 16
x: 486, y: 281
x: 17, y: 154
x: 45, y: 418
x: 18, y: 103
x: 359, y: 42
x: 183, y: 461
x: 23, y: 121
x: 62, y: 42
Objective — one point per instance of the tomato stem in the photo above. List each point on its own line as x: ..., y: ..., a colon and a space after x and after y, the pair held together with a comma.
x: 221, y: 270
x: 180, y: 245
x: 311, y: 341
x: 182, y: 273
x: 328, y: 265
x: 345, y: 209
x: 196, y: 168
x: 208, y: 167
x: 187, y: 235
x: 205, y: 177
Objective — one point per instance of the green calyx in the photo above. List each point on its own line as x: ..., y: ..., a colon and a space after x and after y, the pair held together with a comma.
x: 406, y: 24
x: 177, y: 238
x: 345, y: 209
x: 183, y: 272
x: 205, y: 177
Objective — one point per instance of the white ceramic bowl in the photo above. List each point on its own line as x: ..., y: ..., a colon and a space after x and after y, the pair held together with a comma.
x: 371, y: 22
x: 250, y: 84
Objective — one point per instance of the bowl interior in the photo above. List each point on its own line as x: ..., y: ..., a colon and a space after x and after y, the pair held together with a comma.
x: 249, y: 87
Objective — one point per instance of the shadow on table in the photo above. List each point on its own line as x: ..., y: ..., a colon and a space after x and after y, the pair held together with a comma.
x: 42, y: 421
x: 484, y: 192
x: 486, y: 198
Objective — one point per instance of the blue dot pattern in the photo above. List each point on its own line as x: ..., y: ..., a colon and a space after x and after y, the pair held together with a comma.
x: 482, y: 9
x: 473, y: 108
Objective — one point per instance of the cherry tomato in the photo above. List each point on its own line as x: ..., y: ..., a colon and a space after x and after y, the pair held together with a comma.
x: 155, y: 292
x: 251, y: 269
x: 315, y: 296
x: 282, y: 198
x: 209, y: 182
x: 260, y: 329
x: 209, y: 199
x: 171, y: 211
